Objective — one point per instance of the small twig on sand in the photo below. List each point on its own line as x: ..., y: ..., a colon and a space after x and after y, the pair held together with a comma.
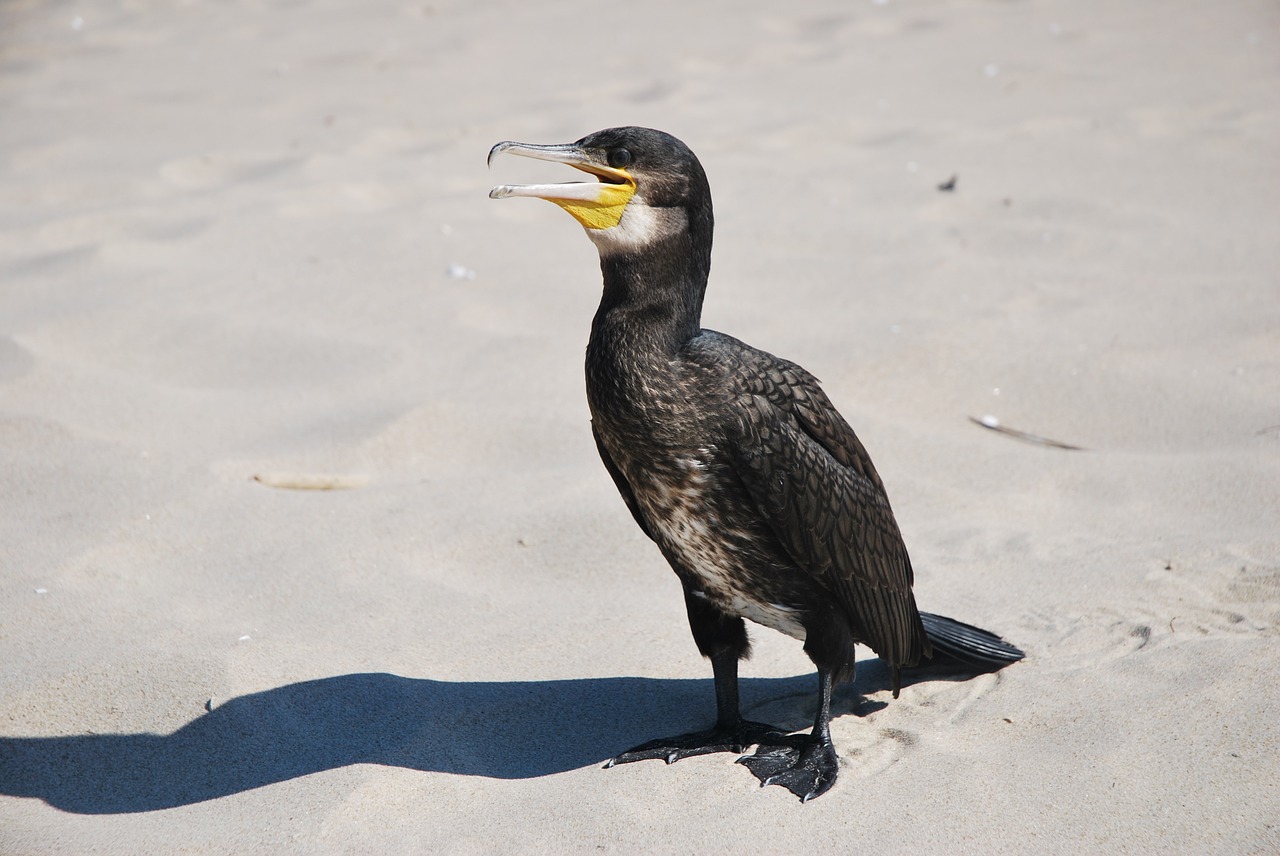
x: 993, y: 424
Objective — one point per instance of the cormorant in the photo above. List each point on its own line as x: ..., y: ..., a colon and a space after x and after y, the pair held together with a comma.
x: 733, y: 461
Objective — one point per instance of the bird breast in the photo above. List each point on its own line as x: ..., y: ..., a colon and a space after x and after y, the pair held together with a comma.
x: 683, y: 518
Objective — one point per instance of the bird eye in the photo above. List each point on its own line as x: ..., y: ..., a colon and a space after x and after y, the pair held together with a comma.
x: 618, y: 158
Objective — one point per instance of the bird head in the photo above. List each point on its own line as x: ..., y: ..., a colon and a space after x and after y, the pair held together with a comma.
x: 648, y: 186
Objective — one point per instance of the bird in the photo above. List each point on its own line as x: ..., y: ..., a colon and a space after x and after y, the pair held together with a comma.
x: 734, y: 462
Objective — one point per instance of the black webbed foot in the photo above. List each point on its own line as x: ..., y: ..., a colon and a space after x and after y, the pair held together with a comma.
x: 804, y: 765
x: 734, y: 737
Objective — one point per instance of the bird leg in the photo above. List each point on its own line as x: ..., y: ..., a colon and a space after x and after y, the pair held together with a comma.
x: 731, y: 733
x: 805, y: 765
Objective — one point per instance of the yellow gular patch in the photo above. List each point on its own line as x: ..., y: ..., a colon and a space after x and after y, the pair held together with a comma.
x: 603, y: 212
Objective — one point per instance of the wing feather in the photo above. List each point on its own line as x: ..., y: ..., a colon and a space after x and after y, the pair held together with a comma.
x: 814, y: 483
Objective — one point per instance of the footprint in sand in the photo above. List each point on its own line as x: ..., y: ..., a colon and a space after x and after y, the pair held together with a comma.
x: 1223, y: 595
x: 1219, y: 595
x: 870, y: 751
x: 890, y: 731
x: 1074, y: 641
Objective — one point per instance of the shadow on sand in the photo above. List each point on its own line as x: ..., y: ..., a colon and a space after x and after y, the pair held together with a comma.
x: 504, y: 730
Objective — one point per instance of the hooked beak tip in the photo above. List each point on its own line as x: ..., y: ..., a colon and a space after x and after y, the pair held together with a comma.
x: 498, y: 149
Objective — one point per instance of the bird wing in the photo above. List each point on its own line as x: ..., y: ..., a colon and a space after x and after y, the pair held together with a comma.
x: 814, y: 484
x: 798, y: 393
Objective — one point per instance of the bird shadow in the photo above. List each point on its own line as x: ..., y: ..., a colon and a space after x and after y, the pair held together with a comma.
x: 500, y: 729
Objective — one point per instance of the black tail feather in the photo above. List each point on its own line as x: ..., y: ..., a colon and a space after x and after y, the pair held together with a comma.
x: 968, y: 644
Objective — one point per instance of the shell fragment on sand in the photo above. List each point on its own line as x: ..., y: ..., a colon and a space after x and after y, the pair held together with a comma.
x: 310, y: 481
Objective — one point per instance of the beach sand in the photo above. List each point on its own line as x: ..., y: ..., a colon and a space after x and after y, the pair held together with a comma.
x: 304, y: 543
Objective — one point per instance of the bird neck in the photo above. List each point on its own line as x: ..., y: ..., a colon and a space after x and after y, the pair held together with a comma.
x: 652, y: 298
x: 651, y: 307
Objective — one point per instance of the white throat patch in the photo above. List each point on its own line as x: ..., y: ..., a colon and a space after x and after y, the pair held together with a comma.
x: 639, y: 226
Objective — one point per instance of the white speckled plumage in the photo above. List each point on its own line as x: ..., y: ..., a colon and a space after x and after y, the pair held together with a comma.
x: 684, y: 527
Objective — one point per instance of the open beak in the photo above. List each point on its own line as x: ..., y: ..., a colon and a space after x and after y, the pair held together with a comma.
x: 595, y: 204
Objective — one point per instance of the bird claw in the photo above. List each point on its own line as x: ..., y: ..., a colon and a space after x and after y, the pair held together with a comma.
x: 734, y: 737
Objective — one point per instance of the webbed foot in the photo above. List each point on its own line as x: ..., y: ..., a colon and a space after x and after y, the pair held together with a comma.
x: 734, y: 737
x: 804, y: 765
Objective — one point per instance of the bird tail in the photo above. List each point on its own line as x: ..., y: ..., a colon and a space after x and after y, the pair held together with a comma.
x: 967, y: 644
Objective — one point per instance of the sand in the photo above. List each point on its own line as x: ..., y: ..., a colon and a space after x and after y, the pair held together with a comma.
x: 246, y: 252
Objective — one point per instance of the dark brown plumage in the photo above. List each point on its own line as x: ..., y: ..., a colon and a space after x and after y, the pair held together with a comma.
x: 735, y: 463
